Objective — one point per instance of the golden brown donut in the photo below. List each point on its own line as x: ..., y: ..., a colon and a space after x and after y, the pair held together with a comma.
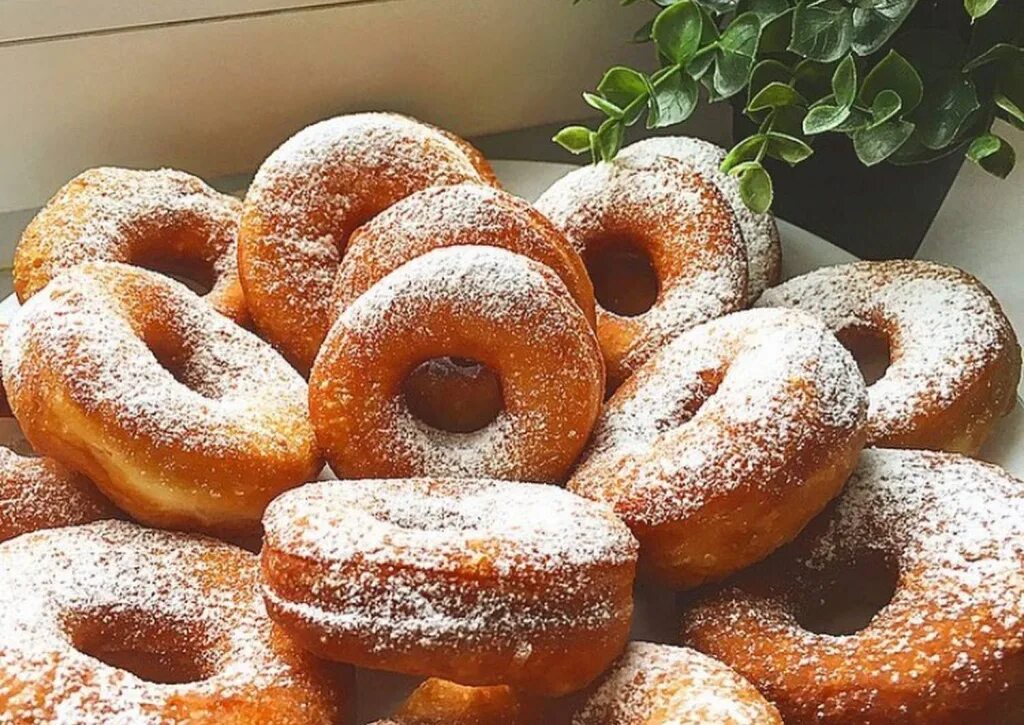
x: 760, y: 233
x: 954, y: 358
x: 725, y: 444
x: 312, y: 193
x: 181, y: 417
x: 679, y: 223
x: 113, y: 623
x: 440, y: 702
x: 946, y: 647
x: 477, y: 581
x: 500, y: 309
x: 658, y: 684
x: 460, y: 215
x: 164, y: 220
x: 39, y: 493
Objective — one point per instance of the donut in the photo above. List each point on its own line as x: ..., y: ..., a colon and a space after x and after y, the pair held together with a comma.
x: 440, y: 702
x: 726, y: 443
x: 486, y: 304
x: 39, y: 493
x: 658, y: 684
x: 459, y: 215
x: 165, y: 220
x: 954, y: 360
x: 477, y: 581
x: 658, y: 214
x: 947, y: 646
x: 114, y: 623
x: 182, y: 418
x: 760, y: 233
x: 312, y: 193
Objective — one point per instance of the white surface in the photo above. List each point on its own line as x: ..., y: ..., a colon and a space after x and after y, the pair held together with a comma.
x: 214, y: 97
x: 657, y: 610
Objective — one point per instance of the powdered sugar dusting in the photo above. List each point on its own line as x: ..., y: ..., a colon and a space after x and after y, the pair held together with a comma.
x: 730, y: 403
x: 313, y: 191
x: 944, y: 329
x: 203, y: 591
x: 682, y: 221
x: 954, y: 529
x: 676, y: 685
x: 114, y: 214
x: 507, y: 292
x: 760, y: 233
x: 39, y: 493
x: 401, y: 557
x: 88, y: 330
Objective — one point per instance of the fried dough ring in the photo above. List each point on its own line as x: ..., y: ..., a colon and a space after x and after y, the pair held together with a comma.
x: 476, y: 581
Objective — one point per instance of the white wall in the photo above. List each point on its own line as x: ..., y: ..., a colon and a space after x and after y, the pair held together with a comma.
x: 195, y: 85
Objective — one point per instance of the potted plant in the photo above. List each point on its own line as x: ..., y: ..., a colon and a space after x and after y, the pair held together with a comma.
x: 854, y: 115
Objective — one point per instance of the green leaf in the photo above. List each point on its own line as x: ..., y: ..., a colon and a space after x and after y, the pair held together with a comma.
x: 995, y: 54
x: 844, y: 82
x: 775, y: 95
x: 787, y: 148
x: 673, y: 102
x: 887, y: 105
x: 608, y: 139
x: 822, y: 30
x: 993, y: 154
x: 812, y: 78
x: 677, y: 30
x: 765, y: 10
x: 643, y: 33
x: 875, y: 22
x: 1010, y: 94
x: 622, y: 86
x: 893, y: 73
x: 746, y: 150
x: 766, y: 72
x: 756, y: 187
x: 603, y: 105
x: 979, y: 8
x: 719, y: 6
x: 574, y: 139
x: 857, y: 120
x: 824, y: 118
x: 877, y: 143
x: 945, y: 112
x: 736, y: 50
x: 788, y: 120
x: 702, y: 62
x: 1010, y: 107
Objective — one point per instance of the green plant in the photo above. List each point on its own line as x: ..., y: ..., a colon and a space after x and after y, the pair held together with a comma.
x: 908, y: 81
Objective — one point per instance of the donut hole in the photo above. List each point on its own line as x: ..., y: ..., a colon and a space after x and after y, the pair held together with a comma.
x: 623, y: 274
x: 157, y: 649
x: 848, y: 596
x: 197, y: 275
x: 870, y: 349
x: 453, y: 394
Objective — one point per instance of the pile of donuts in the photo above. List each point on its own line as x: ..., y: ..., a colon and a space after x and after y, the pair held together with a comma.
x: 530, y: 415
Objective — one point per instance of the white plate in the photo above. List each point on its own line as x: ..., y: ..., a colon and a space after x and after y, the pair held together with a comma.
x: 657, y: 610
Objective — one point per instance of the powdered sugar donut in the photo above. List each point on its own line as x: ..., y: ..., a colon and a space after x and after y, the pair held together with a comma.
x: 486, y: 304
x: 954, y: 358
x: 39, y: 493
x: 182, y: 418
x: 657, y: 684
x: 5, y: 407
x: 760, y: 233
x: 464, y: 214
x: 166, y: 220
x: 727, y: 442
x: 309, y: 196
x: 946, y: 647
x: 661, y: 211
x: 113, y: 623
x: 481, y: 582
